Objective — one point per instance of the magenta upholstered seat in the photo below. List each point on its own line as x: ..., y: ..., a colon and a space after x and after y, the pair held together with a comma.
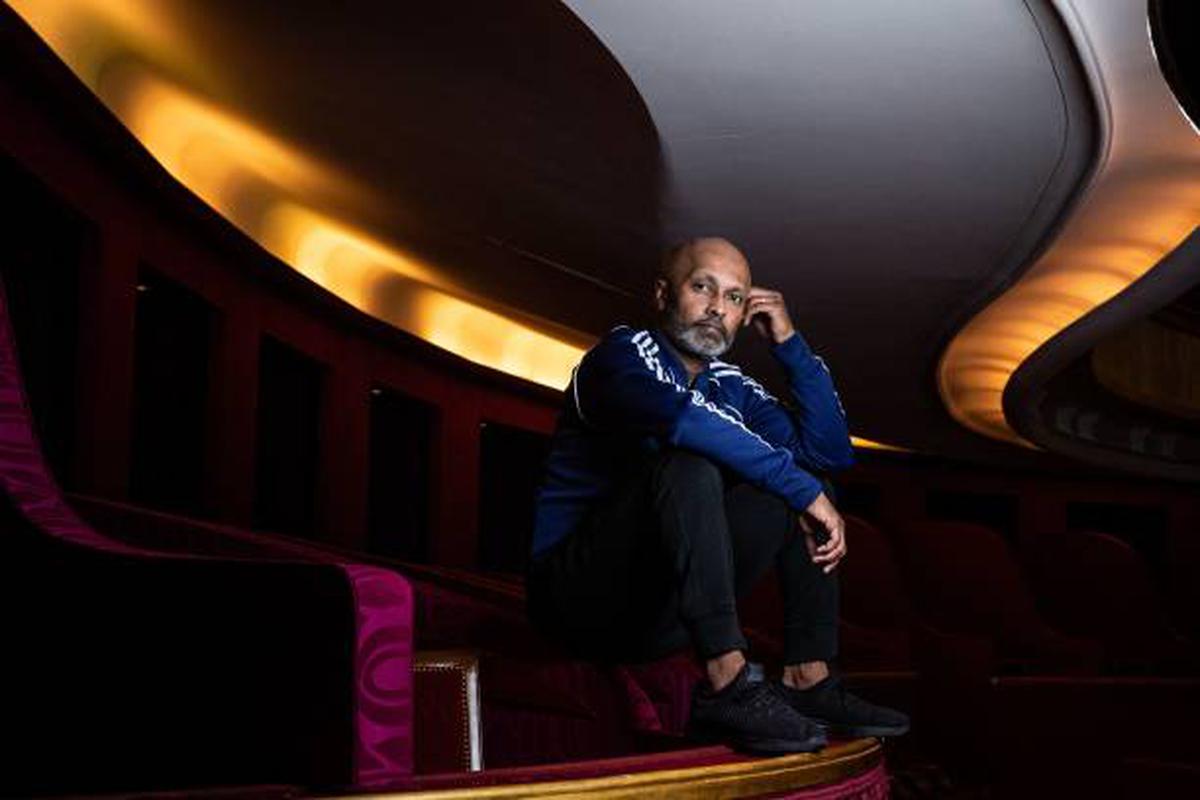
x: 132, y: 668
x: 1096, y: 586
x: 964, y: 581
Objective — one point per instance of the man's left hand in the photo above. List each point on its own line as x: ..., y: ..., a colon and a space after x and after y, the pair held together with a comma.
x: 822, y: 520
x: 767, y: 310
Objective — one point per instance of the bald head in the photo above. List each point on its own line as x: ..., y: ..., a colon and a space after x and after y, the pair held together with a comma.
x: 684, y: 258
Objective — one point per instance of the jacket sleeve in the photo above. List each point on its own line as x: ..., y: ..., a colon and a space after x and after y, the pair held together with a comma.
x: 620, y: 386
x: 816, y: 433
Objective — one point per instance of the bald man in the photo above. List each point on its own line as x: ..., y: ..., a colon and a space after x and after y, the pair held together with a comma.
x: 675, y: 481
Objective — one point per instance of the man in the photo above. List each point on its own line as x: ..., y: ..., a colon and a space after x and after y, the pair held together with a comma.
x: 675, y: 481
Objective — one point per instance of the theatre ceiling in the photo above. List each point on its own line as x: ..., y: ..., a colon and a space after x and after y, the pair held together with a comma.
x: 961, y: 201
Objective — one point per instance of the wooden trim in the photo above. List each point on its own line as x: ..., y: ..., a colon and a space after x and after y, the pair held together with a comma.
x: 741, y: 779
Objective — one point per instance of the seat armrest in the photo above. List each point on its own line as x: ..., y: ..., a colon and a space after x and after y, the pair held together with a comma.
x: 448, y: 727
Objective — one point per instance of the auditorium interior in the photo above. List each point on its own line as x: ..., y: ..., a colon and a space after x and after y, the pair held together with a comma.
x: 290, y: 294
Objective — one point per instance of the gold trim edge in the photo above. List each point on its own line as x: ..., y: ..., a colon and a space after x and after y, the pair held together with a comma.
x: 741, y: 779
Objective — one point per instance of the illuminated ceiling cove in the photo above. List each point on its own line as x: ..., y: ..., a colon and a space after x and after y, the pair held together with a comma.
x: 137, y: 60
x: 1142, y: 202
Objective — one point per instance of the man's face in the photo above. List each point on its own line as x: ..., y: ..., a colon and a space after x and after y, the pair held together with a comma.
x: 704, y: 301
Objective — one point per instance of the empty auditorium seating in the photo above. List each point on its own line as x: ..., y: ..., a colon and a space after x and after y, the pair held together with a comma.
x: 964, y: 582
x: 1183, y: 580
x: 1096, y: 586
x: 875, y: 614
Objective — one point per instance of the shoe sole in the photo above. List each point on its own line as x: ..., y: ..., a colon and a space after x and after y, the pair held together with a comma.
x: 760, y: 746
x: 859, y: 731
x: 775, y: 747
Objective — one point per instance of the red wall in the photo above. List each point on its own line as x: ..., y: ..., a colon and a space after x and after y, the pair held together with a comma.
x: 141, y: 217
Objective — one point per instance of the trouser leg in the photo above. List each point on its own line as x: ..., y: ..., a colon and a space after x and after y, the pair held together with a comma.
x: 660, y: 562
x: 650, y: 569
x: 764, y: 534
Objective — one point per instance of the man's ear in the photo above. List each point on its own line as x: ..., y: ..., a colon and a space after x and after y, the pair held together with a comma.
x: 662, y: 293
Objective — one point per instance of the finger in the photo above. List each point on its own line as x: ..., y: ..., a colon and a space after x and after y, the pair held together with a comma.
x: 835, y: 557
x: 823, y: 558
x: 834, y: 541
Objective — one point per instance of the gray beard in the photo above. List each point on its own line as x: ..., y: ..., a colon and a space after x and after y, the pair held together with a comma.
x: 696, y: 340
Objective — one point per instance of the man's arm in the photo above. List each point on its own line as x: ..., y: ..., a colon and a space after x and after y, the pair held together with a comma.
x: 621, y: 386
x: 816, y: 434
x: 819, y: 438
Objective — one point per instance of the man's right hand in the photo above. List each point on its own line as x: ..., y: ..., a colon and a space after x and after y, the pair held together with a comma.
x: 826, y: 519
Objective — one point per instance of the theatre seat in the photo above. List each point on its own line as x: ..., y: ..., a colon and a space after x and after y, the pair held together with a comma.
x: 1096, y: 586
x: 874, y: 611
x: 1183, y: 580
x: 130, y: 669
x: 876, y: 614
x: 965, y: 583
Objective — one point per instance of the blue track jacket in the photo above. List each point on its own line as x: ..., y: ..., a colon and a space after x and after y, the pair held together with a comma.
x: 630, y: 395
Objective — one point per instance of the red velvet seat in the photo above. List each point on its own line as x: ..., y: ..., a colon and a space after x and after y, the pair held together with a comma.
x: 135, y: 669
x: 875, y: 610
x: 964, y: 582
x: 1183, y: 580
x: 1096, y: 586
x: 875, y: 614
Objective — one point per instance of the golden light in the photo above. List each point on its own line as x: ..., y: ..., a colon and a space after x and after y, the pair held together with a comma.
x: 133, y: 58
x: 1143, y: 201
x: 137, y: 60
x: 868, y: 444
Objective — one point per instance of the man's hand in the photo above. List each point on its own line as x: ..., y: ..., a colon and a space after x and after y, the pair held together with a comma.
x: 767, y: 310
x: 821, y: 516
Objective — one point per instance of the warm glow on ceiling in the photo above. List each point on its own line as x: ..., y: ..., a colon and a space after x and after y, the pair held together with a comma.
x: 136, y: 62
x: 136, y: 59
x: 1141, y: 204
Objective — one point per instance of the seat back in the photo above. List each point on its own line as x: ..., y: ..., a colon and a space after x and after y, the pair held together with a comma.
x: 872, y: 593
x: 964, y: 580
x: 1095, y: 585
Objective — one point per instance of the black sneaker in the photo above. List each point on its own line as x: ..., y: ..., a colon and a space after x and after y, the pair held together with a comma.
x: 750, y: 715
x: 842, y: 713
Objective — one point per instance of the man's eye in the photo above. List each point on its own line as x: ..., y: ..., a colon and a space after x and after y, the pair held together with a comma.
x: 736, y: 299
x: 700, y: 287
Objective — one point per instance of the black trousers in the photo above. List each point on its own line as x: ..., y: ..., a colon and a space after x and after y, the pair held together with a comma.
x: 658, y: 563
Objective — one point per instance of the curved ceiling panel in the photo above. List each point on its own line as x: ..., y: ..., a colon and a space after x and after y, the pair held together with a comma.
x: 1142, y: 202
x: 885, y: 164
x: 435, y: 174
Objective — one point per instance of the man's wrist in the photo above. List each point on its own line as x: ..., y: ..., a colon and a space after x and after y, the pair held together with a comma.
x: 792, y: 349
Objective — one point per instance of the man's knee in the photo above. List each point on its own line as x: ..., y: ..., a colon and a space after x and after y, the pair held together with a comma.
x: 690, y: 472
